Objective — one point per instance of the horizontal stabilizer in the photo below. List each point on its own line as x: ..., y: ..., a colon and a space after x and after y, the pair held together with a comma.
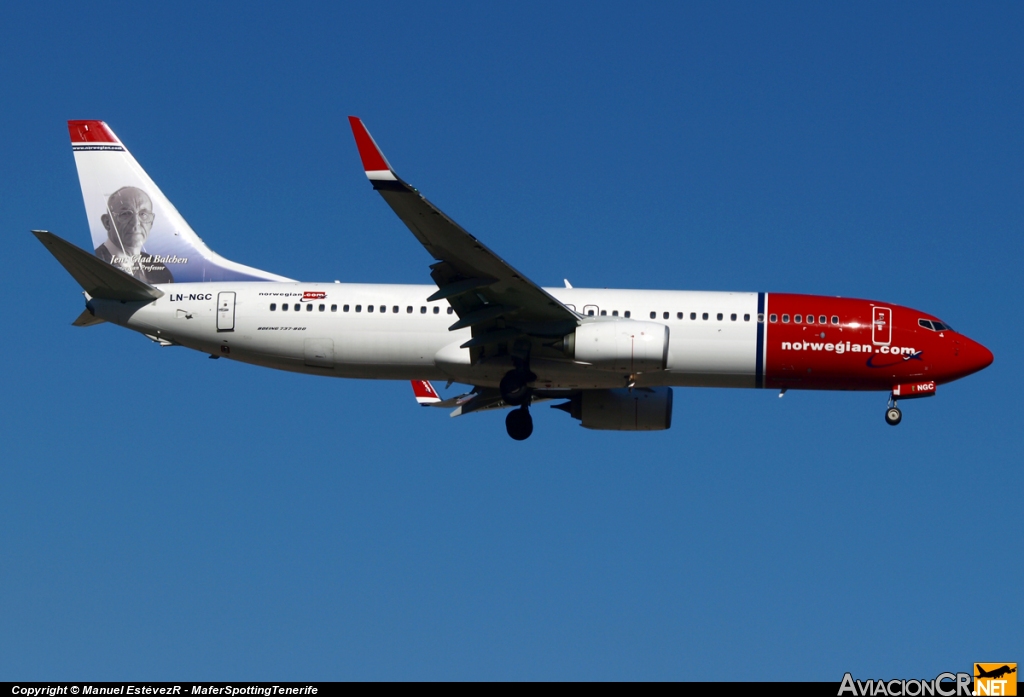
x: 97, y: 278
x: 87, y: 319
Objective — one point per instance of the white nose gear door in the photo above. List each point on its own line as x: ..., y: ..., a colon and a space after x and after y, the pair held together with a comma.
x: 226, y: 311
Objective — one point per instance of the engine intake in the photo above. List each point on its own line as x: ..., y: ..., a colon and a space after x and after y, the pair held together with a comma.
x: 624, y: 345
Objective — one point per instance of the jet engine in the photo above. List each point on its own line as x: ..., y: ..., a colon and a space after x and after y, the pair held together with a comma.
x: 623, y: 345
x: 637, y: 409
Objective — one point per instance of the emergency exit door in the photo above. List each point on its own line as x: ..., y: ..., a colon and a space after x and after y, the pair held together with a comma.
x: 881, y: 325
x: 226, y: 311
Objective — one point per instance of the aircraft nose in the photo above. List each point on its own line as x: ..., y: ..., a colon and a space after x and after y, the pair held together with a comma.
x: 975, y: 356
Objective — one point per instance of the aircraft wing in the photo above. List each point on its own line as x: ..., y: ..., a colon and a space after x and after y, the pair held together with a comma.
x: 488, y: 294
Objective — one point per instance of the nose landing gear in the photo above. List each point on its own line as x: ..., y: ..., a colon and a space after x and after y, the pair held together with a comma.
x: 893, y: 415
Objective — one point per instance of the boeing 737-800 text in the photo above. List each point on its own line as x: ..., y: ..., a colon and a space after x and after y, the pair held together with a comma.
x: 611, y: 356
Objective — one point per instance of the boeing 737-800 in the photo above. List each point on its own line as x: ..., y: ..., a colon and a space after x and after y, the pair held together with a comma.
x: 611, y: 356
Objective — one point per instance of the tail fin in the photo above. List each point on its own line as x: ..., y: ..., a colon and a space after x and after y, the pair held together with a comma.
x: 134, y: 227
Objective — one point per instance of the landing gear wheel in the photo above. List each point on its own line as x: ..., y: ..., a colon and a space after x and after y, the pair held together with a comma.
x: 893, y: 416
x: 513, y: 388
x: 519, y: 423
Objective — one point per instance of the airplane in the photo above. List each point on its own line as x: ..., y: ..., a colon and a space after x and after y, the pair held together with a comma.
x: 995, y: 673
x: 609, y: 357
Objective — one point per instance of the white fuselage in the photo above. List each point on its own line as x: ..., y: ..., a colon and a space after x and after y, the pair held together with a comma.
x: 712, y: 335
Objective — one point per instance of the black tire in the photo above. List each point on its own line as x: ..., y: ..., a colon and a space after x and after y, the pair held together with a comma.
x: 513, y: 388
x: 519, y: 424
x: 893, y: 416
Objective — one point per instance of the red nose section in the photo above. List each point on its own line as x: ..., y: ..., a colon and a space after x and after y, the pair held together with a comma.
x: 965, y: 356
x: 970, y: 357
x: 976, y: 357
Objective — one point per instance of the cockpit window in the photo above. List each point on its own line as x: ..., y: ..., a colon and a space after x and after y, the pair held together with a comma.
x: 934, y: 325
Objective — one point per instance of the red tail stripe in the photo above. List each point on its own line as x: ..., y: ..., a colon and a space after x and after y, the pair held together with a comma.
x: 90, y: 132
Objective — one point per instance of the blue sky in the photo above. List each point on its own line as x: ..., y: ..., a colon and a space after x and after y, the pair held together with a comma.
x: 165, y: 516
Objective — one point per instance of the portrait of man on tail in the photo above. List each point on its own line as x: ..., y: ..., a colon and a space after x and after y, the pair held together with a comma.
x: 128, y: 220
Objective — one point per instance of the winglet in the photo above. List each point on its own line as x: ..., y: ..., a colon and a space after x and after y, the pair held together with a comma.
x: 374, y: 162
x: 425, y: 393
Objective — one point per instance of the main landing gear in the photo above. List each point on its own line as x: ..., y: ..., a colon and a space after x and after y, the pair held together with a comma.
x: 519, y: 423
x: 893, y: 415
x: 515, y: 392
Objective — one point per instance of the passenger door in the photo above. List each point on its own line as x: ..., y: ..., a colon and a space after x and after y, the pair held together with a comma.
x: 881, y: 325
x: 226, y: 311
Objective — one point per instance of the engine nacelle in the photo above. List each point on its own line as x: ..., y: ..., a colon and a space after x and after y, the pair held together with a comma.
x: 638, y: 409
x: 624, y: 345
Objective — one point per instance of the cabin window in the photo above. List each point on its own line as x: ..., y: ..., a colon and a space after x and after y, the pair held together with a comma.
x: 733, y: 317
x: 436, y: 309
x: 451, y: 310
x: 719, y: 315
x: 821, y: 319
x: 297, y: 306
x: 615, y: 313
x: 664, y: 315
x: 273, y: 306
x: 369, y: 308
x: 423, y: 309
x: 771, y: 318
x: 334, y: 308
x: 746, y: 318
x: 309, y: 307
x: 604, y: 313
x: 653, y: 315
x: 590, y: 313
x: 284, y: 307
x: 785, y: 319
x: 705, y: 315
x: 395, y: 309
x: 359, y: 308
x: 408, y: 309
x: 810, y: 319
x: 322, y: 308
x: 383, y: 308
x: 679, y: 315
x: 626, y: 314
x: 796, y: 318
x: 693, y: 315
x: 835, y: 319
x: 344, y: 308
